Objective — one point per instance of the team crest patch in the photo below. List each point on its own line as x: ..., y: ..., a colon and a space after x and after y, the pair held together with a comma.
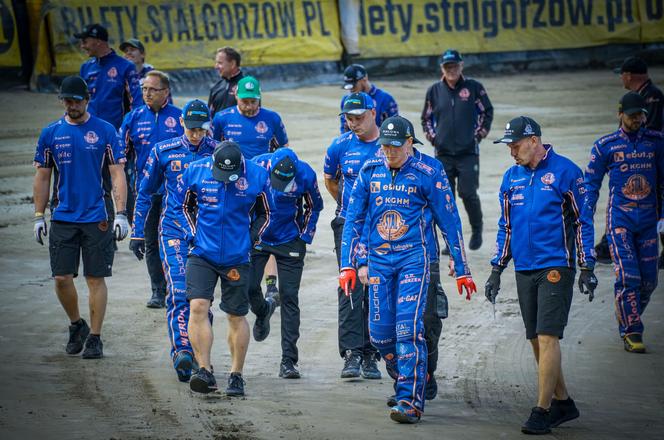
x: 91, y: 137
x: 548, y: 178
x: 103, y: 226
x: 170, y: 122
x: 233, y: 275
x: 636, y: 187
x: 464, y: 93
x: 242, y: 184
x: 176, y: 165
x: 261, y: 127
x: 392, y: 226
x: 112, y: 72
x: 553, y: 276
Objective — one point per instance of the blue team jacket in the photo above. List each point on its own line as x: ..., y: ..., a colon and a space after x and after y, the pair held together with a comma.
x: 165, y: 165
x: 544, y: 217
x: 294, y: 213
x: 142, y: 128
x: 114, y: 87
x: 230, y: 217
x: 78, y: 153
x: 395, y: 205
x: 636, y: 171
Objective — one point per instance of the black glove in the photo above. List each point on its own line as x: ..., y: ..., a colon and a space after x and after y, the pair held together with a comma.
x: 588, y: 283
x: 492, y: 286
x: 137, y: 246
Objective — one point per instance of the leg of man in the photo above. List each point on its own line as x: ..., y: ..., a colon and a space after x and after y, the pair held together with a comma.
x: 201, y: 279
x: 469, y: 182
x: 647, y: 250
x: 382, y: 314
x: 98, y: 250
x: 433, y: 327
x: 235, y: 303
x: 560, y: 391
x: 549, y: 371
x: 64, y: 246
x: 290, y: 263
x: 152, y: 259
x: 238, y: 341
x: 256, y: 299
x: 97, y: 303
x: 67, y: 295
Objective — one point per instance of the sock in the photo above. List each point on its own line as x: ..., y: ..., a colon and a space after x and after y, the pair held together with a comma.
x: 270, y: 280
x: 77, y: 323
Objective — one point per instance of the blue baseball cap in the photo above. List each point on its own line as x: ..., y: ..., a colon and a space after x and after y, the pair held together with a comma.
x: 357, y: 104
x: 196, y: 114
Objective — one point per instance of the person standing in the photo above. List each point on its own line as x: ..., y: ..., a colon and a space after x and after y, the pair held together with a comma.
x: 78, y: 146
x: 134, y: 51
x: 222, y: 94
x: 295, y: 206
x: 224, y: 210
x: 457, y: 115
x: 389, y: 197
x: 141, y: 129
x: 112, y: 81
x: 543, y: 197
x: 356, y: 80
x: 343, y: 161
x: 164, y: 167
x: 633, y: 157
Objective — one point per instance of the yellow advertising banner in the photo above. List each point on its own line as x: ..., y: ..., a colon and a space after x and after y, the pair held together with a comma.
x: 184, y: 34
x: 10, y: 55
x: 393, y: 28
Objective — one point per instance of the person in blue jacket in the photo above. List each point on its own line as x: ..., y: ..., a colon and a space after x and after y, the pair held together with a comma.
x: 163, y: 170
x: 113, y: 84
x: 391, y: 195
x: 356, y: 80
x: 74, y: 150
x: 256, y: 129
x: 295, y: 206
x: 224, y: 210
x: 543, y: 220
x: 633, y: 157
x: 141, y: 129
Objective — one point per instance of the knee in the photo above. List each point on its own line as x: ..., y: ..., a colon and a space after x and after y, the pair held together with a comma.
x: 546, y: 342
x: 199, y: 308
x: 94, y: 282
x: 63, y: 280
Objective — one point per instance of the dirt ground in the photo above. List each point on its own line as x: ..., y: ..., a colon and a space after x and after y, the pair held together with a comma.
x: 486, y: 373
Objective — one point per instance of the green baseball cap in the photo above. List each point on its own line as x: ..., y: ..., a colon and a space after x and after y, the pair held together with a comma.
x: 248, y: 87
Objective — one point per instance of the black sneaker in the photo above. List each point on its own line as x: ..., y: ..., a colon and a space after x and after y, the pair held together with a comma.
x: 183, y: 364
x: 538, y: 422
x: 352, y: 363
x: 446, y: 251
x: 77, y: 335
x: 94, y: 348
x: 370, y: 367
x: 288, y: 370
x: 273, y: 292
x: 431, y: 388
x: 157, y: 301
x: 262, y: 324
x: 203, y: 381
x: 562, y: 411
x: 235, y: 385
x: 475, y: 241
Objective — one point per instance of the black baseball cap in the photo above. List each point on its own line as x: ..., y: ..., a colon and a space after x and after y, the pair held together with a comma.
x: 196, y: 114
x: 519, y: 128
x: 74, y: 87
x: 93, y: 31
x: 283, y: 173
x: 132, y: 42
x: 450, y: 56
x: 353, y: 74
x: 357, y: 104
x: 227, y: 162
x: 632, y: 103
x: 395, y: 131
x: 632, y: 65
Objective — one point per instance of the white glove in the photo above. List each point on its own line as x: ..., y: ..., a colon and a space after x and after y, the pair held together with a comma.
x: 120, y: 226
x: 660, y: 226
x: 40, y: 228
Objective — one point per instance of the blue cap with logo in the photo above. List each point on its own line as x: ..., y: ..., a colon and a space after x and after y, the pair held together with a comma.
x: 519, y: 128
x: 196, y: 114
x: 357, y: 103
x: 450, y: 56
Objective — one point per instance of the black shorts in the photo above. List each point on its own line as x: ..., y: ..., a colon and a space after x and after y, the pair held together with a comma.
x: 545, y: 297
x: 202, y: 279
x: 96, y: 240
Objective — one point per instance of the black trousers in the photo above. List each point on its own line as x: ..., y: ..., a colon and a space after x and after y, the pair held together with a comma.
x: 290, y: 262
x: 464, y: 175
x: 435, y: 312
x: 152, y: 259
x: 353, y: 322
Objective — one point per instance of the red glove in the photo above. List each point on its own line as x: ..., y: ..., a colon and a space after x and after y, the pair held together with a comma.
x: 467, y: 282
x: 347, y: 280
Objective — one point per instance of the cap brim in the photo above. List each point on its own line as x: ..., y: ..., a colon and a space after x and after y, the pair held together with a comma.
x: 355, y: 112
x: 225, y: 176
x: 279, y: 184
x: 348, y: 86
x: 392, y: 142
x: 416, y: 141
x: 505, y: 140
x: 196, y: 124
x: 632, y: 111
x: 248, y: 96
x: 71, y: 96
x: 127, y: 44
x: 449, y: 62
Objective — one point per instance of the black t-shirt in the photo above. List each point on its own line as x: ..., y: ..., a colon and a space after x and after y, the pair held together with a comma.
x: 654, y: 104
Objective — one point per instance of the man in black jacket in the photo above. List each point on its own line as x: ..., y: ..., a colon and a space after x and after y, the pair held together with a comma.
x: 222, y: 94
x: 457, y: 115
